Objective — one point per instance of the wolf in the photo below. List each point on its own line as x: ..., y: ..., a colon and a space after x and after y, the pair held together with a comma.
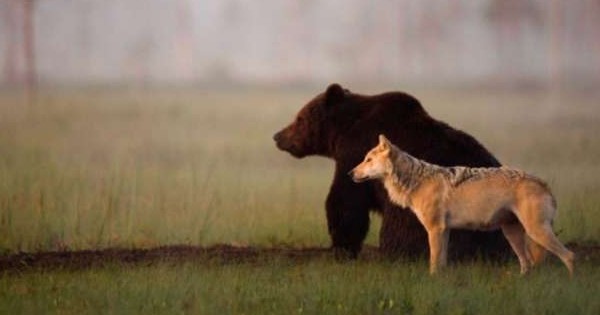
x: 442, y: 198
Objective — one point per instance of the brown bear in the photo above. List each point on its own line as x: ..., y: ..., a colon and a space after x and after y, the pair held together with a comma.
x: 343, y: 126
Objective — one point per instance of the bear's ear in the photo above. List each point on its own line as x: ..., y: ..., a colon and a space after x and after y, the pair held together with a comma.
x: 334, y: 94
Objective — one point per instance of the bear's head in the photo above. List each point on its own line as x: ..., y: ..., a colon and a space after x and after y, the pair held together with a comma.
x: 312, y: 130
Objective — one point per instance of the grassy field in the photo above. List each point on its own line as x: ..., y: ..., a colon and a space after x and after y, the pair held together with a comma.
x: 96, y: 169
x: 320, y: 286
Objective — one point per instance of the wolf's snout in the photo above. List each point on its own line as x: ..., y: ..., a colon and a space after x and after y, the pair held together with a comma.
x: 355, y: 179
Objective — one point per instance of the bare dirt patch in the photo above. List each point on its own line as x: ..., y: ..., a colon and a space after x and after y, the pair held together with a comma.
x: 221, y: 254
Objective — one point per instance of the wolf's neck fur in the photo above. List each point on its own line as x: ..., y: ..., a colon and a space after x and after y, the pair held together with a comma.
x: 407, y: 174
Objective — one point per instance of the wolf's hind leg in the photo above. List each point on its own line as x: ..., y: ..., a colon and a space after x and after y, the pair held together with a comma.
x: 535, y: 252
x: 515, y: 234
x: 536, y: 214
x: 544, y: 236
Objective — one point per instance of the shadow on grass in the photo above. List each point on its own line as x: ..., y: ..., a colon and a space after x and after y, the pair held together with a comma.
x: 217, y: 254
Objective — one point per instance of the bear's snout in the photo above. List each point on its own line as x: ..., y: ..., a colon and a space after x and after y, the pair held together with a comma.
x: 277, y: 136
x: 281, y: 140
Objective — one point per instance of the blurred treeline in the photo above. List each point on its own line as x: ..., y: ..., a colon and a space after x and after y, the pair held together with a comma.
x: 287, y: 42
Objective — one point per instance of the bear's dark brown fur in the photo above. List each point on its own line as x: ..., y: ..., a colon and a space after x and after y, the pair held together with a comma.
x: 341, y: 125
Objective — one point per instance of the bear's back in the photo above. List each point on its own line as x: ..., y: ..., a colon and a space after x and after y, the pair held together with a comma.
x: 402, y: 118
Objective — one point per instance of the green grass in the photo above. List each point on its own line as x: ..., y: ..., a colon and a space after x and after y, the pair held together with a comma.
x: 320, y: 286
x: 116, y: 168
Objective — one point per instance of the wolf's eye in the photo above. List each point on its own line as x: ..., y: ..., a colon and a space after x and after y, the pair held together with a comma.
x: 368, y: 160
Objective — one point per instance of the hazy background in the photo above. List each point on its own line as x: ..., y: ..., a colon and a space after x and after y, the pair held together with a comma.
x: 149, y: 164
x: 285, y: 42
x: 137, y: 124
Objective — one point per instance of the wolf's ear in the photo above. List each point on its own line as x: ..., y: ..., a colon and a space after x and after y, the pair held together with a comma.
x: 334, y: 94
x: 384, y: 142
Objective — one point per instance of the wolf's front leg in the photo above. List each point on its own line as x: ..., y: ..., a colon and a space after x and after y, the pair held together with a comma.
x: 438, y: 245
x: 444, y: 253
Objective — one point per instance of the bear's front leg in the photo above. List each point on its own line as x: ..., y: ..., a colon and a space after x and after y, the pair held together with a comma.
x: 401, y: 234
x: 347, y: 207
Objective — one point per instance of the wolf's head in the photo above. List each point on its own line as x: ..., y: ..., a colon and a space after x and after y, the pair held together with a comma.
x: 377, y: 162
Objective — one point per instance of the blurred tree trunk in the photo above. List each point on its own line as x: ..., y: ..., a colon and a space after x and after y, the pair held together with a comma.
x: 556, y: 60
x: 184, y: 39
x: 594, y: 28
x: 28, y: 46
x: 10, y: 57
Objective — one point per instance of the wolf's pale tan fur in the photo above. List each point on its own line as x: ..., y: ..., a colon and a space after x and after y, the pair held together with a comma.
x: 473, y: 198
